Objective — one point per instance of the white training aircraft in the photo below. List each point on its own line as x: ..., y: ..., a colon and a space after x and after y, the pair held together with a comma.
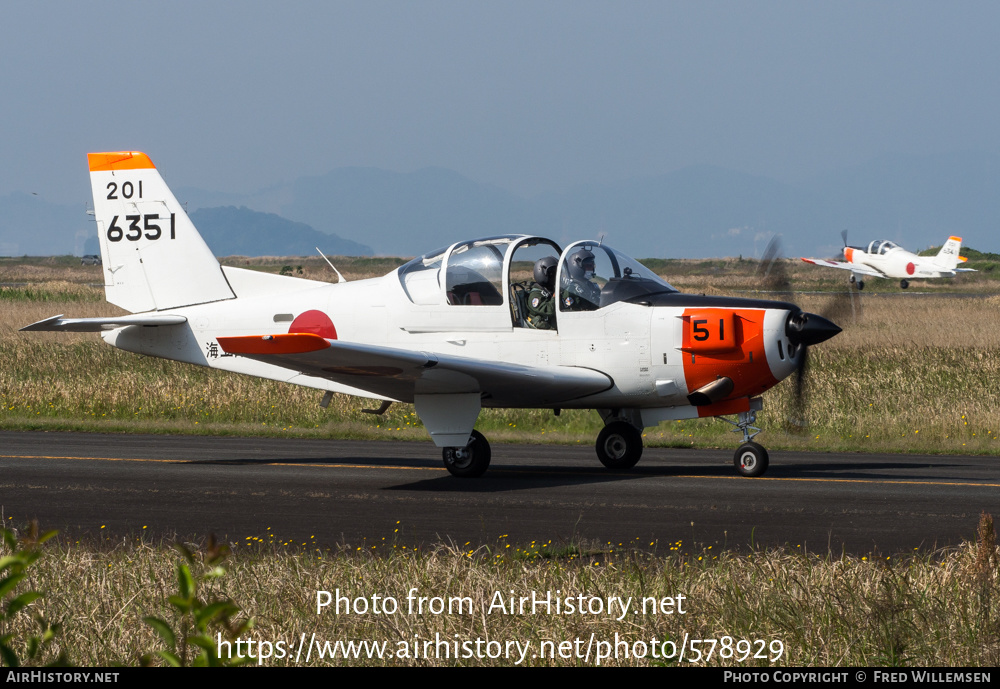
x: 452, y: 331
x: 884, y: 259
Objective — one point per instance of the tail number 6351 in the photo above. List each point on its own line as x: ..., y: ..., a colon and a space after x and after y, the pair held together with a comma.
x: 139, y: 226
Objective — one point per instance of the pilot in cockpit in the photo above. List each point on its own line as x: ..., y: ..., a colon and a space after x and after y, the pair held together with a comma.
x: 579, y: 293
x: 541, y: 304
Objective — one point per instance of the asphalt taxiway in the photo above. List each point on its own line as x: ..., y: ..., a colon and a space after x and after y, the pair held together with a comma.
x: 329, y: 492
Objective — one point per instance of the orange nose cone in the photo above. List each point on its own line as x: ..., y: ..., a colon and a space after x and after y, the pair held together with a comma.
x: 849, y: 254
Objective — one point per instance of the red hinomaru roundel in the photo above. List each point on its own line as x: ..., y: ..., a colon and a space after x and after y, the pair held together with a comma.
x: 315, y: 322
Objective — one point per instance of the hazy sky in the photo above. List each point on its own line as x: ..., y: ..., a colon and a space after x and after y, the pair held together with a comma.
x: 529, y: 96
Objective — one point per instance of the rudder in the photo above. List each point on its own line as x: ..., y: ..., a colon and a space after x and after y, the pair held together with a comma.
x: 153, y: 256
x: 948, y: 256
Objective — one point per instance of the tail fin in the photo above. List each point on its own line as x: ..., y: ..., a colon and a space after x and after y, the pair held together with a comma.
x: 153, y: 256
x: 948, y: 256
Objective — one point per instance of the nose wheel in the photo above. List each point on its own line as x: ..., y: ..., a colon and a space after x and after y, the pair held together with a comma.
x: 751, y: 460
x: 470, y: 461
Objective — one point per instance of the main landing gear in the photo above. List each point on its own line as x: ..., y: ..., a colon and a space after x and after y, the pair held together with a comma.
x: 619, y: 445
x: 470, y: 461
x: 904, y: 283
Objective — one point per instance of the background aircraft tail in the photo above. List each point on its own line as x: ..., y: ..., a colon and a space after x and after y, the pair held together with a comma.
x: 153, y: 256
x: 948, y: 256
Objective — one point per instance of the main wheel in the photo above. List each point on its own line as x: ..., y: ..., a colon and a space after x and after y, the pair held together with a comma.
x: 470, y: 461
x: 751, y: 459
x: 904, y: 283
x: 861, y: 285
x: 619, y: 445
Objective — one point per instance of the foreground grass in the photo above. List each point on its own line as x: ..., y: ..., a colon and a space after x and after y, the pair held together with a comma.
x: 930, y: 609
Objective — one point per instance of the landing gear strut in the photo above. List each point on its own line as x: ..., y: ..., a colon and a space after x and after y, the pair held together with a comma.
x: 619, y: 445
x: 751, y: 459
x: 470, y: 461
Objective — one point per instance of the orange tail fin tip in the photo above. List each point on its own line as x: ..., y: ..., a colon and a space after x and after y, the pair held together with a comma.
x: 119, y: 160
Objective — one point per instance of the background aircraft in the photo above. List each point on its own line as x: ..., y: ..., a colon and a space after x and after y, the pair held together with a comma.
x: 452, y: 331
x: 884, y: 259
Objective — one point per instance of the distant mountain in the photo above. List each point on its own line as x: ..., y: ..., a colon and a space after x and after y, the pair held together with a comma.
x: 698, y: 211
x: 693, y: 212
x: 231, y: 231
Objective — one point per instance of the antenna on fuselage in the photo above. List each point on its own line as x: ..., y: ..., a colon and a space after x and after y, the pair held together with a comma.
x: 340, y: 278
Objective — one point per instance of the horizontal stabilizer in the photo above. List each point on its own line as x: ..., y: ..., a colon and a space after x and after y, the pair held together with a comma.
x: 96, y: 325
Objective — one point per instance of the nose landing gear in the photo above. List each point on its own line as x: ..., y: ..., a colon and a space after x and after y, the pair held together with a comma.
x: 751, y: 459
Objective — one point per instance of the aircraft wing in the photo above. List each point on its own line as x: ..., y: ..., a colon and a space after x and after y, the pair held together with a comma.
x: 96, y: 325
x: 399, y: 374
x: 853, y: 267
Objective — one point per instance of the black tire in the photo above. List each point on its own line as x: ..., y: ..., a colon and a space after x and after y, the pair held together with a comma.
x: 470, y: 461
x: 751, y: 460
x: 861, y: 285
x: 904, y: 283
x: 619, y: 445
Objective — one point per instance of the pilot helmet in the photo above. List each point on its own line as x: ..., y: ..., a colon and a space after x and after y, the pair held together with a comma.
x: 581, y: 265
x: 545, y: 271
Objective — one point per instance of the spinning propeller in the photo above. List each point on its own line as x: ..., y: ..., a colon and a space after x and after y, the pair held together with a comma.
x: 803, y: 329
